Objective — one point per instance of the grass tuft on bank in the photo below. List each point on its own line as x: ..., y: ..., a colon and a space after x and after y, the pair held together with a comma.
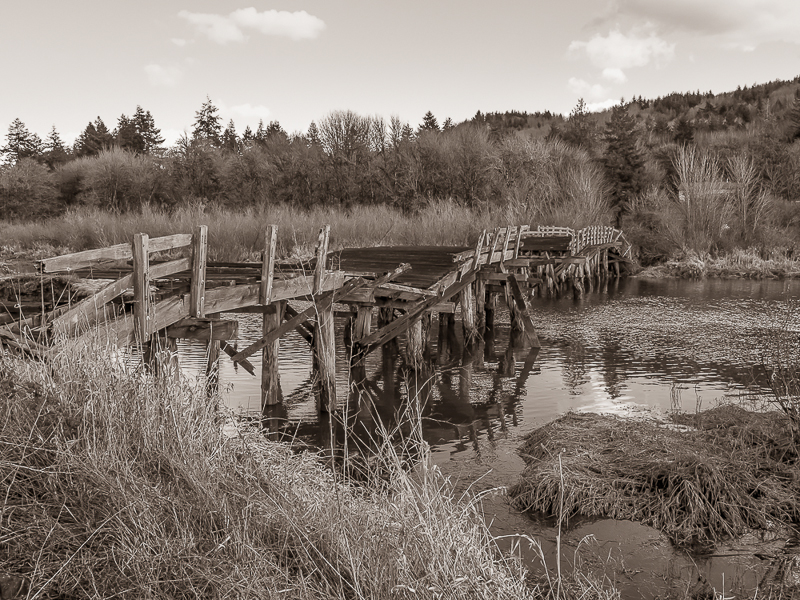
x: 733, y: 470
x: 119, y: 484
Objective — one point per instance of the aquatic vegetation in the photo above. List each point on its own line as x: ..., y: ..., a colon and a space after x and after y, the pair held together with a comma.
x: 733, y: 471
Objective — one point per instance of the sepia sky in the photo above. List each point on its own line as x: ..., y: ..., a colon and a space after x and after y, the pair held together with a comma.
x: 64, y: 63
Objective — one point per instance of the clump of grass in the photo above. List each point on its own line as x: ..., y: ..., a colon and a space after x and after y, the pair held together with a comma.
x: 748, y: 263
x: 120, y: 484
x: 736, y: 472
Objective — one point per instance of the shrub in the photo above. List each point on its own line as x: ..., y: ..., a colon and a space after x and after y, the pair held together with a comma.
x: 27, y: 191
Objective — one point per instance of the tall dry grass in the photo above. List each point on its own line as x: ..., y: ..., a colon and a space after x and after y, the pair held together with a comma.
x: 238, y: 234
x: 117, y: 484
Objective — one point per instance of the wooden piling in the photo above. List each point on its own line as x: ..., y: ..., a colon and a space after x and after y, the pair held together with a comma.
x: 141, y: 287
x: 468, y: 316
x: 480, y: 305
x: 324, y: 335
x: 417, y: 342
x: 271, y: 393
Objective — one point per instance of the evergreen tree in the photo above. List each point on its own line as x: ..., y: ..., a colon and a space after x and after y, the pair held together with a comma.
x: 94, y: 139
x: 448, y: 124
x: 579, y: 130
x: 684, y: 132
x: 275, y: 129
x: 207, y: 124
x: 146, y: 128
x: 407, y: 134
x: 429, y: 123
x: 248, y: 137
x: 230, y: 141
x: 622, y: 161
x: 55, y: 153
x: 126, y: 136
x: 313, y: 134
x: 21, y: 143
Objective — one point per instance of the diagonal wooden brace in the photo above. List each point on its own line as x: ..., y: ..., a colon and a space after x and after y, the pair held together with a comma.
x: 383, y: 335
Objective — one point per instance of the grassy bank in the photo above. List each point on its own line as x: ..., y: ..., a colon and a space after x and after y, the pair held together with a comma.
x: 116, y: 484
x: 747, y: 263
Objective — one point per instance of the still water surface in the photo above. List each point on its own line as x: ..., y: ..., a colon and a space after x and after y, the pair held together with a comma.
x: 637, y: 347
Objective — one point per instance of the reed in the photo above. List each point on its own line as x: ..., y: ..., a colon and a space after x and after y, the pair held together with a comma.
x: 125, y: 485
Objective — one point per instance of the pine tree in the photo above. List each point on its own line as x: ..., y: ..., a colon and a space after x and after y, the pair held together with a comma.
x: 684, y: 132
x: 313, y: 134
x: 579, y: 130
x: 275, y: 129
x: 429, y: 123
x: 147, y: 130
x: 126, y: 136
x: 230, y: 141
x: 207, y: 124
x: 448, y: 124
x: 94, y: 139
x: 21, y: 143
x: 622, y: 161
x: 248, y: 137
x: 55, y: 153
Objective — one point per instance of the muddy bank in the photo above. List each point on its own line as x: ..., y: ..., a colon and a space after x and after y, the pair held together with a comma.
x: 700, y: 479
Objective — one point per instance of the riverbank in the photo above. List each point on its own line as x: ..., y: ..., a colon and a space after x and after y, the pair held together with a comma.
x: 119, y: 484
x: 740, y: 263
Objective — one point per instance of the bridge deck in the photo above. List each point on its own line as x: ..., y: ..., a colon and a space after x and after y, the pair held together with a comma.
x: 428, y: 263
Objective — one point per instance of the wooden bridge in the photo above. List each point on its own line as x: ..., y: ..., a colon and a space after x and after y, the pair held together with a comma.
x: 177, y: 293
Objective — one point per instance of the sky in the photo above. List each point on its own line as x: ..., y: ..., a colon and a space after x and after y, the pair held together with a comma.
x: 64, y: 63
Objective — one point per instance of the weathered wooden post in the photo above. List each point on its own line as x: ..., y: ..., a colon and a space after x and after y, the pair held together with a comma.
x: 468, y: 317
x: 442, y: 346
x: 480, y: 304
x: 324, y: 338
x: 361, y: 328
x: 141, y: 288
x: 272, y: 318
x: 417, y: 342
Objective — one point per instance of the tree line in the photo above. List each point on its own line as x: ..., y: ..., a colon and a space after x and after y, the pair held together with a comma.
x: 607, y: 166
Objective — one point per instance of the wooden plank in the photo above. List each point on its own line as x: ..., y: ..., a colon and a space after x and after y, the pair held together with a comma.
x: 88, y: 312
x: 322, y: 253
x: 396, y: 287
x: 383, y: 335
x: 246, y: 364
x: 141, y: 287
x: 204, y: 329
x: 198, y: 284
x: 489, y: 276
x: 522, y: 307
x: 270, y: 377
x: 268, y: 264
x: 165, y: 269
x: 88, y: 258
x: 305, y: 329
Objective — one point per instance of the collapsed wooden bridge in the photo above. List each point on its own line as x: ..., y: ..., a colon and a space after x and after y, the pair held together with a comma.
x: 176, y: 297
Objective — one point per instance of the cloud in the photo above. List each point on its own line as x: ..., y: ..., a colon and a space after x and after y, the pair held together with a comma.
x: 216, y: 27
x: 604, y: 105
x: 734, y: 23
x: 298, y: 25
x: 619, y: 51
x: 163, y: 76
x: 614, y: 75
x: 584, y: 89
x: 178, y: 42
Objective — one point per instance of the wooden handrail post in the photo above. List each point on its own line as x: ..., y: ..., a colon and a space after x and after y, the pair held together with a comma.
x: 199, y: 258
x: 324, y: 334
x: 270, y: 377
x: 141, y: 287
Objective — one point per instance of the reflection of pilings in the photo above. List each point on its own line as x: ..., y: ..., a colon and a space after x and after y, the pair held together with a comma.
x: 160, y: 355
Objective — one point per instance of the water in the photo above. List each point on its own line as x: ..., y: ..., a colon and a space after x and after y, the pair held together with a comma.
x: 637, y: 347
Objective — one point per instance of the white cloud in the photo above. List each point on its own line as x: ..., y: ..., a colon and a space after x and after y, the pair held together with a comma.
x: 603, y: 105
x: 298, y: 25
x: 614, y: 75
x: 163, y: 76
x: 618, y: 50
x: 742, y: 24
x: 584, y: 89
x: 178, y: 42
x: 216, y: 27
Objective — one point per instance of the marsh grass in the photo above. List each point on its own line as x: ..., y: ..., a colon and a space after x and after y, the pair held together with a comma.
x: 735, y: 470
x: 120, y: 484
x: 238, y: 234
x: 750, y: 263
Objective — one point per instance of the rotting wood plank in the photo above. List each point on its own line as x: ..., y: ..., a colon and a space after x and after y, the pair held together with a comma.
x: 245, y: 364
x: 198, y: 283
x: 268, y: 264
x: 87, y: 258
x: 522, y: 307
x: 141, y: 288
